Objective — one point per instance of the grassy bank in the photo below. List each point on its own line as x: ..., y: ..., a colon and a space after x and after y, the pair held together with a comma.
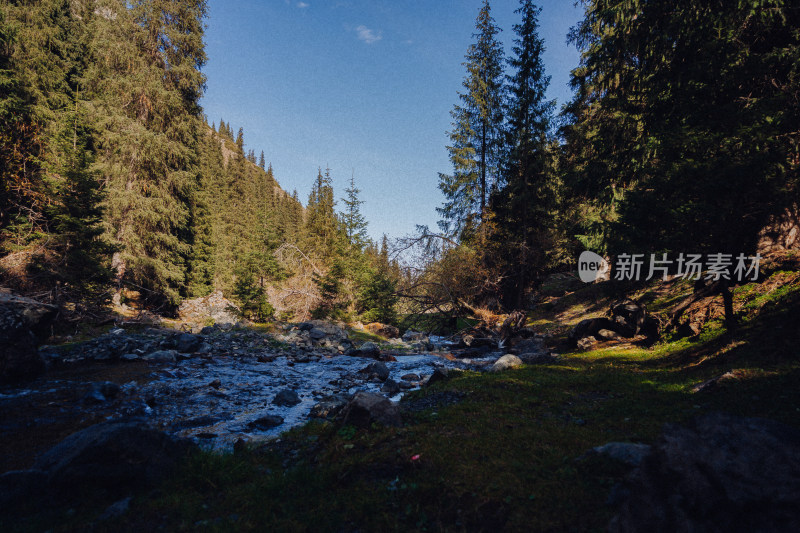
x: 492, y: 451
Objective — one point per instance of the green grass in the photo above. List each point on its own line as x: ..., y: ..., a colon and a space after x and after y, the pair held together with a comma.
x: 509, y: 455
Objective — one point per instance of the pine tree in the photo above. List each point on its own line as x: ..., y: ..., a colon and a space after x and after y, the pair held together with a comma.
x: 477, y: 130
x: 523, y: 207
x: 262, y: 162
x: 355, y: 224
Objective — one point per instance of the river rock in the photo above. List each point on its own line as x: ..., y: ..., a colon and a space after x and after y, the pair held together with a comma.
x: 718, y: 473
x: 266, y: 422
x: 376, y: 369
x: 506, y: 362
x: 162, y: 356
x: 188, y: 343
x: 116, y: 456
x: 329, y: 407
x: 286, y: 398
x: 21, y: 320
x: 366, y: 408
x: 440, y: 373
x: 368, y: 349
x: 390, y: 386
x: 410, y: 336
x: 320, y: 330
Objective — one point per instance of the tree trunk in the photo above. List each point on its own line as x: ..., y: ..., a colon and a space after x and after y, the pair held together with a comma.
x: 727, y: 301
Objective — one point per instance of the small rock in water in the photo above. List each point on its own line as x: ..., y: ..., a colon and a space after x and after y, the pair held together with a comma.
x: 215, y: 384
x: 406, y: 385
x: 390, y: 386
x: 286, y: 398
x: 129, y: 357
x: 266, y: 422
x: 109, y: 390
x: 162, y: 356
x: 376, y: 369
x: 410, y: 377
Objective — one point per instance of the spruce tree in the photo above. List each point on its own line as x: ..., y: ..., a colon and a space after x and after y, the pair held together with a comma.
x: 523, y: 207
x: 355, y: 224
x: 477, y: 131
x: 146, y: 82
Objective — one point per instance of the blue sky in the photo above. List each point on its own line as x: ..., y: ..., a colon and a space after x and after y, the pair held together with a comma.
x: 363, y: 87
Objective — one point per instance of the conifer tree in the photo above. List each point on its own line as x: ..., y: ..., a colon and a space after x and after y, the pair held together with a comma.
x: 477, y: 131
x: 355, y: 225
x: 523, y: 207
x: 146, y: 81
x: 262, y: 162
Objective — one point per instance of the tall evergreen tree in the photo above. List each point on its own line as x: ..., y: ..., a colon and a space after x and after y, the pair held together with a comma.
x: 523, y: 207
x: 477, y: 131
x: 355, y: 225
x: 146, y: 81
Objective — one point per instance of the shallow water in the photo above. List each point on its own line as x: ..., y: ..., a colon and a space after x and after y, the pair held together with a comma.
x: 182, y: 399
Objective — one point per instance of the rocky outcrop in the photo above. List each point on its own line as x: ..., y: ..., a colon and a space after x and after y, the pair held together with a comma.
x: 719, y: 473
x: 22, y: 322
x: 212, y: 308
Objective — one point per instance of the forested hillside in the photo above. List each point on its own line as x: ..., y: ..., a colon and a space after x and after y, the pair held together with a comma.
x: 114, y: 184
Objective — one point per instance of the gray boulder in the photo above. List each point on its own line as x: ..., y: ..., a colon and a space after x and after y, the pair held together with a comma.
x: 390, y: 386
x: 329, y: 407
x: 266, y: 422
x: 411, y: 336
x: 286, y: 398
x: 368, y: 349
x: 213, y: 307
x: 21, y: 321
x: 506, y: 362
x: 376, y: 369
x: 586, y: 343
x: 719, y: 473
x: 366, y: 408
x: 188, y: 343
x: 162, y: 356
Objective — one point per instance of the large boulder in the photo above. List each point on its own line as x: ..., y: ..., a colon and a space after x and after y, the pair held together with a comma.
x: 628, y: 317
x: 22, y: 322
x: 506, y: 362
x: 214, y: 307
x: 116, y: 456
x: 719, y: 473
x: 367, y: 407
